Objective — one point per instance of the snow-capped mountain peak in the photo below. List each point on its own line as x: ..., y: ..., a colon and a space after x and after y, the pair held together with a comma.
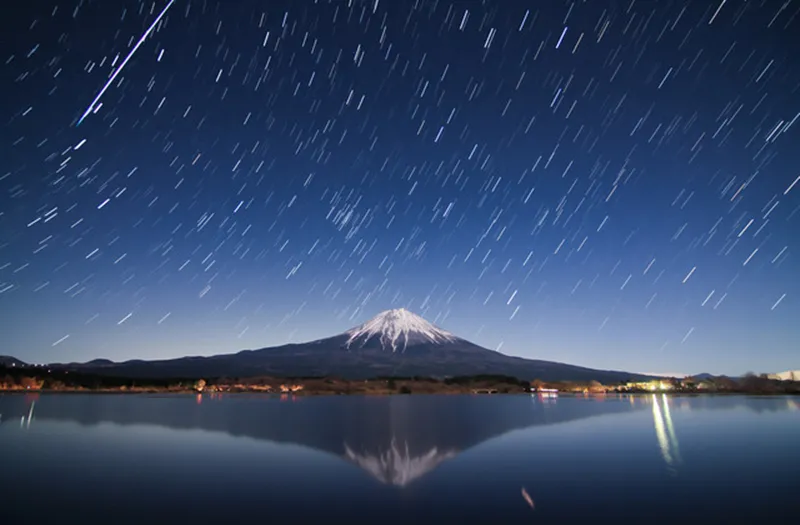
x: 396, y: 329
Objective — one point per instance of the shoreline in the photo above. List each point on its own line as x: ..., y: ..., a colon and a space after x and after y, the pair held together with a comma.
x: 307, y: 393
x: 26, y: 380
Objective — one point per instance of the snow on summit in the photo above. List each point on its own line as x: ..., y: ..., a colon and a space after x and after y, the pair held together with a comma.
x: 396, y: 329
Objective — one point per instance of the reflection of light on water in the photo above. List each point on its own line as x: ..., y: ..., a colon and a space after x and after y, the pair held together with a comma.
x: 663, y: 443
x: 548, y: 399
x: 26, y: 422
x: 665, y: 433
x: 792, y: 404
x: 671, y: 429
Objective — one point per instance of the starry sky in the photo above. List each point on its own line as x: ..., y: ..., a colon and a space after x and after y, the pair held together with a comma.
x: 610, y: 184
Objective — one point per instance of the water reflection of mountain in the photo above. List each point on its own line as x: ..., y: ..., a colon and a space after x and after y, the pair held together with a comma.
x: 395, y: 439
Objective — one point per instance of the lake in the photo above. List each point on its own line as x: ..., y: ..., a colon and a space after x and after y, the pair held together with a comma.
x: 93, y: 458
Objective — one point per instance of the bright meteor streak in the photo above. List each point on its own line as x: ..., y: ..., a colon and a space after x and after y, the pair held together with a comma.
x: 130, y: 54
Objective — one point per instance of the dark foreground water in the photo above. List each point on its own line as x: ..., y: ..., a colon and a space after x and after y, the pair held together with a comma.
x: 405, y: 459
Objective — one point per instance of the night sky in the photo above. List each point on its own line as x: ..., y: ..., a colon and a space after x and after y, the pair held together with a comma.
x: 610, y: 184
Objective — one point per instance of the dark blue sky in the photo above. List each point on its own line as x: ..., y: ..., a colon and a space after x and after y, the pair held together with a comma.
x: 602, y: 183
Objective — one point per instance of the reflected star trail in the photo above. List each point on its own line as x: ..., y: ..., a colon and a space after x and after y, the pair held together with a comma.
x: 611, y: 184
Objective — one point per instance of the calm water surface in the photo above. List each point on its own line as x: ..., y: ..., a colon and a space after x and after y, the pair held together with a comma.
x: 404, y: 459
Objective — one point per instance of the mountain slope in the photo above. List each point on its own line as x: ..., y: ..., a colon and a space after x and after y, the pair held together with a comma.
x: 396, y: 342
x: 7, y: 360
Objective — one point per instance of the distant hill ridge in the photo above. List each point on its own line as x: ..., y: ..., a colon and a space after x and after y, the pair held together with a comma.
x: 7, y: 360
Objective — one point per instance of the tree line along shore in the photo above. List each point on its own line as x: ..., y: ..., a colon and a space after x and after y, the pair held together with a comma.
x: 16, y: 379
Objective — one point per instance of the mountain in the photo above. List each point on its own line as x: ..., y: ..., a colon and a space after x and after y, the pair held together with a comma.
x: 394, y: 439
x: 394, y: 343
x: 7, y: 360
x: 100, y: 362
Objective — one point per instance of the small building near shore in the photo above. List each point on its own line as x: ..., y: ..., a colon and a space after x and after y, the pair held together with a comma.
x: 789, y: 375
x: 653, y: 386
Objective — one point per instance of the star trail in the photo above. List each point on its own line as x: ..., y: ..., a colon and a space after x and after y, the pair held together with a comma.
x: 610, y: 184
